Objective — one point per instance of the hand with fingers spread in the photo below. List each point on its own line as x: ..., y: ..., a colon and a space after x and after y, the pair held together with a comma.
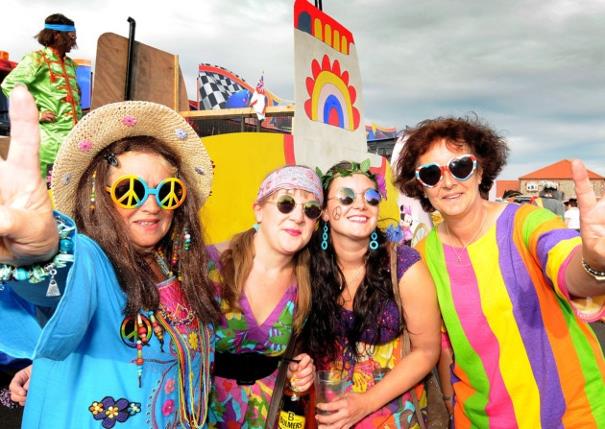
x: 27, y: 229
x: 343, y: 412
x: 301, y: 373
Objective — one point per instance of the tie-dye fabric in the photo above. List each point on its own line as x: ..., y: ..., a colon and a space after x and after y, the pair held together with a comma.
x: 523, y: 359
x: 231, y: 405
x: 376, y: 360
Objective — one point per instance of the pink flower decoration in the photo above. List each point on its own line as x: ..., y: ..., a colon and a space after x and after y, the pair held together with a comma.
x: 168, y: 407
x: 129, y: 121
x: 85, y: 145
x: 169, y: 386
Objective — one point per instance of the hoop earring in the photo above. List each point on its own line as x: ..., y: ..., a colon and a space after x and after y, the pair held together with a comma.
x: 374, y: 241
x: 324, y: 237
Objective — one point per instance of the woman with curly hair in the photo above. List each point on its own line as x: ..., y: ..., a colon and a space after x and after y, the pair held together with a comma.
x: 355, y: 326
x: 505, y: 274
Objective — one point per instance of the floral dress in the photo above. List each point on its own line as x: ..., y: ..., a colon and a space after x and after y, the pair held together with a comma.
x: 377, y: 357
x: 246, y: 406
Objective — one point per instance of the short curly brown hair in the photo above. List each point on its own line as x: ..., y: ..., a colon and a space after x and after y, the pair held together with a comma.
x: 490, y: 149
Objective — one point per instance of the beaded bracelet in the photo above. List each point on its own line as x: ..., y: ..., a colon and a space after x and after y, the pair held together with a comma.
x: 38, y: 273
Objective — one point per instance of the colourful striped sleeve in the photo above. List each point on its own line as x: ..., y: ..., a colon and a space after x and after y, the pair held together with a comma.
x: 550, y: 243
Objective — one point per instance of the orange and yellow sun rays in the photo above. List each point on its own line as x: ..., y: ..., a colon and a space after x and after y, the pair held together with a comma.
x: 332, y: 99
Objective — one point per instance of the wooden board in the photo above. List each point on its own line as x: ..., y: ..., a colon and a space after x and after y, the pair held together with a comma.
x: 156, y: 75
x: 4, y: 142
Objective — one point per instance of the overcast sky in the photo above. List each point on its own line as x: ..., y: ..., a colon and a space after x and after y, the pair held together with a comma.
x: 535, y: 70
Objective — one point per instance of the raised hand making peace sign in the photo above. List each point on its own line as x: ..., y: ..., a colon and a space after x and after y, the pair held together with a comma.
x: 587, y: 268
x: 27, y: 229
x: 592, y: 218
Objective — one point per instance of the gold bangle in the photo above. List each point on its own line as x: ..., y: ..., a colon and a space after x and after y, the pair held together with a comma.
x: 447, y: 397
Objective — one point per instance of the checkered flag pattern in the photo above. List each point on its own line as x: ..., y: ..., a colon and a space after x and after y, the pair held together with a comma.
x: 215, y: 89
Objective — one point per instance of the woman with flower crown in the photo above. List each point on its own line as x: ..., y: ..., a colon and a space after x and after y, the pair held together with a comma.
x: 358, y: 284
x: 129, y: 338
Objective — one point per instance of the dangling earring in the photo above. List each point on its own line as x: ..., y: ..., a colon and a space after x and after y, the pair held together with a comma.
x: 174, y: 256
x: 186, y: 239
x: 256, y: 226
x: 93, y: 196
x: 374, y: 241
x: 324, y: 237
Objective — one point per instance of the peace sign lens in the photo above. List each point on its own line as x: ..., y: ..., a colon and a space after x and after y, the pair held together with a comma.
x: 346, y: 196
x: 131, y: 192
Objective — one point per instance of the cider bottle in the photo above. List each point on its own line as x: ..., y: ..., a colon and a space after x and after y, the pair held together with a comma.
x: 292, y: 414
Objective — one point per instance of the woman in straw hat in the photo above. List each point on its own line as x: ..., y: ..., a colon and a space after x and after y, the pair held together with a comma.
x: 263, y: 277
x: 128, y: 340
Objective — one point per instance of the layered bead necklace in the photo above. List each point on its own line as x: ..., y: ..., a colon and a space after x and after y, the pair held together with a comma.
x: 191, y: 411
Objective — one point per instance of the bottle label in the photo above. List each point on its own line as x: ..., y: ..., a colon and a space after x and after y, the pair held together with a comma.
x: 289, y: 420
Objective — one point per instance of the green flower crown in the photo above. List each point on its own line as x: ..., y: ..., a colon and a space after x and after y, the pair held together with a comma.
x: 355, y: 168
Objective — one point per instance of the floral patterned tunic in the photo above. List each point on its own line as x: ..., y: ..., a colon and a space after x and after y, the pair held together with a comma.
x: 246, y: 406
x: 376, y: 360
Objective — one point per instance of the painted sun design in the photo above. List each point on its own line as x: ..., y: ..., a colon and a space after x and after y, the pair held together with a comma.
x: 331, y: 98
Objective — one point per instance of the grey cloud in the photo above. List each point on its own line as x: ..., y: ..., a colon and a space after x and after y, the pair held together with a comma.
x: 531, y: 68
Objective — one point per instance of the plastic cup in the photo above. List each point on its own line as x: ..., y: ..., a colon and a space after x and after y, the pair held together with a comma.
x: 329, y: 385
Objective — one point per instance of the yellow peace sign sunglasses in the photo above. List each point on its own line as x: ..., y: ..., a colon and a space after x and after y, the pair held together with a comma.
x: 131, y: 192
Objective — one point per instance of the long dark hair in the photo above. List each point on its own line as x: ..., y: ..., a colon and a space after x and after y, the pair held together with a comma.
x: 374, y: 294
x: 104, y: 225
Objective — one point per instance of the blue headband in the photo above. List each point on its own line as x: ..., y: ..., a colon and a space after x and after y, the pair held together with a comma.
x: 60, y: 27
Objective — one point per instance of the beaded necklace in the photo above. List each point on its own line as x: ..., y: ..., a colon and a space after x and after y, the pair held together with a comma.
x: 189, y: 412
x: 194, y: 415
x: 162, y: 263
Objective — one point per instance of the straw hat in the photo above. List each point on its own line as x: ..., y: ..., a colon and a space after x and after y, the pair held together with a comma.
x: 113, y: 122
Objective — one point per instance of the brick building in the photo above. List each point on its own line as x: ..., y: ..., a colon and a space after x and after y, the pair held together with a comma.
x: 558, y: 173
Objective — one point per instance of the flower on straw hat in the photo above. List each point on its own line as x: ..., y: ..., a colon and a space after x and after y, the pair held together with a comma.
x: 112, y: 122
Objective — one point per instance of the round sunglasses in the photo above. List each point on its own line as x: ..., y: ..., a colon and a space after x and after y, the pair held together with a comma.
x: 346, y: 196
x: 131, y: 192
x: 461, y: 168
x: 286, y: 203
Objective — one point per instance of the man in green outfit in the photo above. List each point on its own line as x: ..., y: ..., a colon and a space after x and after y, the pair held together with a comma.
x: 50, y: 76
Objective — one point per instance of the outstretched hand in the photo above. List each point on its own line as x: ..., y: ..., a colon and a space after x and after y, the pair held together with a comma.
x: 592, y: 218
x: 27, y: 228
